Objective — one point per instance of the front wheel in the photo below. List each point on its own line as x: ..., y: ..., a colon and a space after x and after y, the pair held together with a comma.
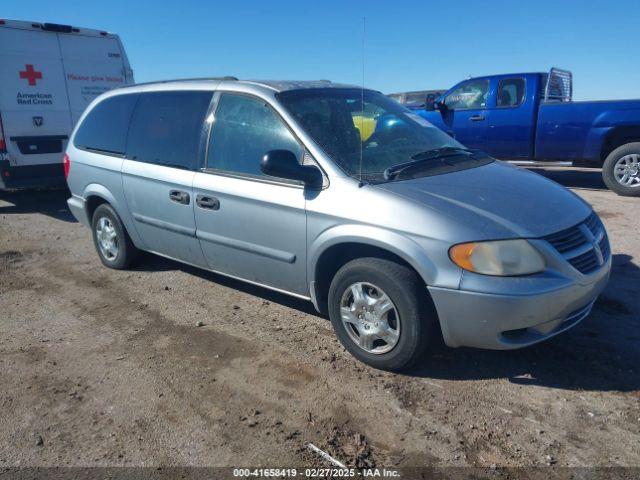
x: 381, y: 313
x: 621, y: 170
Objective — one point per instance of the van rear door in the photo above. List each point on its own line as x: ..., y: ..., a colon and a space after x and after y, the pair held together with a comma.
x: 92, y: 65
x: 33, y: 98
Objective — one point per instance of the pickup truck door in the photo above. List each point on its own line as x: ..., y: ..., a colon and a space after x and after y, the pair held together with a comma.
x: 465, y: 115
x: 513, y: 118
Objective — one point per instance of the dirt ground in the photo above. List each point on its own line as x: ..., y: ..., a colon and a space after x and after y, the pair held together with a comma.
x: 108, y: 368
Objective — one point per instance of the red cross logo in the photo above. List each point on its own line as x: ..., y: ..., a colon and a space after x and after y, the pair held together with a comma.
x: 30, y: 74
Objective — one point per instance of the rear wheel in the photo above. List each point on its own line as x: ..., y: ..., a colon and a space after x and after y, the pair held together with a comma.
x: 112, y: 242
x: 621, y: 170
x: 381, y: 313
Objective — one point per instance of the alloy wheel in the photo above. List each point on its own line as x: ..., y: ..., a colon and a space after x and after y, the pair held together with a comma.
x: 370, y: 318
x: 627, y: 170
x: 107, y: 238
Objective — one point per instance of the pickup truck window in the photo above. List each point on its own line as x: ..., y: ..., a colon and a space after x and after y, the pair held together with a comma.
x: 469, y: 95
x: 510, y: 92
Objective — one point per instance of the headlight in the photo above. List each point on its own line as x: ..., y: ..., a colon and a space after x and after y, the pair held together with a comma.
x: 501, y: 257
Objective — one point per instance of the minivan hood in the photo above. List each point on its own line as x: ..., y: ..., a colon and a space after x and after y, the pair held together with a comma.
x: 497, y: 200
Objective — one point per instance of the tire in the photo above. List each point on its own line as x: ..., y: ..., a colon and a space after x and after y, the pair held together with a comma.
x: 608, y: 174
x: 417, y: 317
x: 125, y: 252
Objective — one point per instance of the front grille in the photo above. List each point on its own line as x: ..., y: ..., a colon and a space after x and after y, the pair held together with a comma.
x: 578, y: 244
x: 567, y: 239
x: 585, y: 263
x: 604, y: 246
x: 593, y: 223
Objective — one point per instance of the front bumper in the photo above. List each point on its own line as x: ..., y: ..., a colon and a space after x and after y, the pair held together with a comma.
x: 502, y: 322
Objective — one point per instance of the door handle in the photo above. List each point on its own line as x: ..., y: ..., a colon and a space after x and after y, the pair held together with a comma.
x: 179, y: 197
x: 476, y: 118
x: 210, y: 203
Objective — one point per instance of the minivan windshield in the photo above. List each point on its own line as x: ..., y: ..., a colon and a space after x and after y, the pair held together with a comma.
x: 369, y: 134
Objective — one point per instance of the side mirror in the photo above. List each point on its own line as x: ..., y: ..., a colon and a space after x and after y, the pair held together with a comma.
x: 430, y: 106
x: 440, y: 106
x: 284, y: 164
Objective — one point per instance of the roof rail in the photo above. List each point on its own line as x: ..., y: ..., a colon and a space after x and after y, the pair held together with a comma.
x: 196, y: 79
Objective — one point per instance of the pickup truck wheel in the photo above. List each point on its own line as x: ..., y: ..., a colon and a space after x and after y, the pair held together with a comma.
x: 112, y: 242
x: 381, y: 313
x: 621, y: 170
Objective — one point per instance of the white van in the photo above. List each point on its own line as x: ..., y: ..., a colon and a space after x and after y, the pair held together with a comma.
x: 49, y: 74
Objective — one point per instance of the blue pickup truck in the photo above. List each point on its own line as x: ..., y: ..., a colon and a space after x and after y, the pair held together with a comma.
x: 531, y: 116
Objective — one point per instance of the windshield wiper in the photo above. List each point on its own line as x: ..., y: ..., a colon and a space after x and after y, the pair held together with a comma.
x: 423, y: 157
x: 439, y: 152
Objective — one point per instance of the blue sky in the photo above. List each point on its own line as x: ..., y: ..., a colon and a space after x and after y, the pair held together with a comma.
x: 409, y: 45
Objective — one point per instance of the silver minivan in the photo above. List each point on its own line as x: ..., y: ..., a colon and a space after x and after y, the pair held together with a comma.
x: 341, y: 196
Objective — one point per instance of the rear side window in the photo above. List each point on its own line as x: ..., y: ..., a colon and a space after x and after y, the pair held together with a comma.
x: 246, y: 128
x: 105, y: 127
x: 510, y: 92
x: 166, y: 128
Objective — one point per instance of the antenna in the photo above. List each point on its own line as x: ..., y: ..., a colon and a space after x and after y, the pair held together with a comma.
x: 364, y: 33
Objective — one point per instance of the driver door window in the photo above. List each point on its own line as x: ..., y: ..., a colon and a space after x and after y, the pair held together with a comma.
x: 245, y: 128
x: 470, y: 95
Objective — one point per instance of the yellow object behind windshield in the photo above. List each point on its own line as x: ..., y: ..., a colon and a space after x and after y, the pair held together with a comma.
x: 368, y: 125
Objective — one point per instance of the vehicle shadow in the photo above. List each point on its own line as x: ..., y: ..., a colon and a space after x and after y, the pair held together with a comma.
x: 50, y: 202
x: 600, y: 354
x: 589, y: 178
x: 149, y: 262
